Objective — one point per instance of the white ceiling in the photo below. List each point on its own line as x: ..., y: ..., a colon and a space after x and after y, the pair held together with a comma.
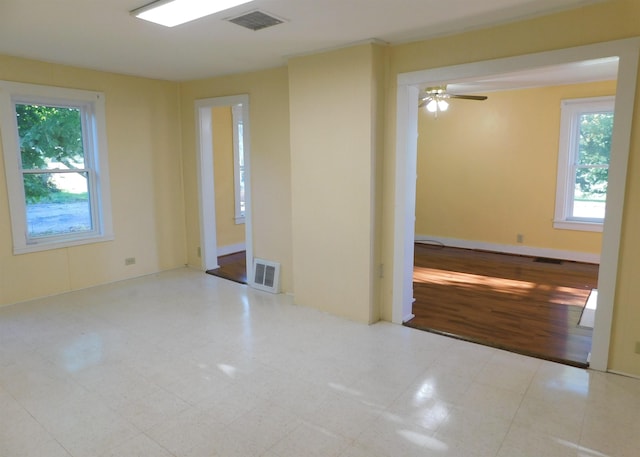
x: 102, y: 35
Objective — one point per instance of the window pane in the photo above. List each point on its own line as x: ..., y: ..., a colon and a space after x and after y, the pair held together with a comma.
x: 50, y: 137
x: 62, y: 206
x: 595, y: 138
x: 242, y: 201
x: 590, y: 194
x: 588, y: 209
x: 240, y: 166
x: 240, y: 145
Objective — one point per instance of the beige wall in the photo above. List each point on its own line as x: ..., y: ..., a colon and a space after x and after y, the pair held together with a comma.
x: 616, y: 19
x: 487, y: 170
x: 270, y: 162
x: 143, y: 132
x: 333, y: 168
x: 228, y: 233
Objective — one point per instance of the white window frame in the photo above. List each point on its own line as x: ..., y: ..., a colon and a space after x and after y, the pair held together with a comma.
x: 236, y: 114
x: 92, y: 107
x: 567, y: 157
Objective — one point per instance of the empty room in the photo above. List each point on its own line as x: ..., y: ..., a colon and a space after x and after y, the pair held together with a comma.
x: 118, y: 192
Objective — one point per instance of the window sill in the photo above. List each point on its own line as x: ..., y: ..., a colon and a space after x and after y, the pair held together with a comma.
x: 580, y: 226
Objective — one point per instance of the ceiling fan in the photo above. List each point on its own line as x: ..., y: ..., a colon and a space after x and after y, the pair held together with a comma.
x: 435, y: 98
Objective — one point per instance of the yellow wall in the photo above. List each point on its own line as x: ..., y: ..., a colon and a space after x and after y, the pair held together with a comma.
x: 143, y: 132
x: 333, y: 147
x: 487, y: 170
x: 227, y: 231
x: 270, y: 162
x: 615, y: 19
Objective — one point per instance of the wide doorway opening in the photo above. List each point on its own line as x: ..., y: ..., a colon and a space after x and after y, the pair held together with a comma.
x: 410, y: 86
x: 507, y: 209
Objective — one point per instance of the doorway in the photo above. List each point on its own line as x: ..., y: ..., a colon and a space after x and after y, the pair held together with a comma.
x: 210, y: 249
x: 484, y: 201
x: 409, y: 85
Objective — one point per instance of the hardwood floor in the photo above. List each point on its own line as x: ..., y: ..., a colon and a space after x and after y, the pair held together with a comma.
x: 522, y: 304
x: 232, y: 267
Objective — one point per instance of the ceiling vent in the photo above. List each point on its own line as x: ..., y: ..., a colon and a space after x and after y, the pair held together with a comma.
x: 256, y: 20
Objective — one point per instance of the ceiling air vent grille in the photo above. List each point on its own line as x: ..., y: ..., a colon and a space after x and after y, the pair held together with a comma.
x: 255, y: 20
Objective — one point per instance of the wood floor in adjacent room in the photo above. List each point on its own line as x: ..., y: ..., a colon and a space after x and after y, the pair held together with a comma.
x: 232, y: 267
x: 511, y: 302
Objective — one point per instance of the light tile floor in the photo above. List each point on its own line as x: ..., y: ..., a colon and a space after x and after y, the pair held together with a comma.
x: 186, y: 364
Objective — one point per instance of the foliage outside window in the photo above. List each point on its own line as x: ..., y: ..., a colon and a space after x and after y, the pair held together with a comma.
x: 55, y: 160
x: 583, y: 163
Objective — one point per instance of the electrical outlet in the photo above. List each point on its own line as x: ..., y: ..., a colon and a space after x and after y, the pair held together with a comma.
x: 130, y: 261
x: 637, y: 347
x: 520, y: 238
x: 199, y: 252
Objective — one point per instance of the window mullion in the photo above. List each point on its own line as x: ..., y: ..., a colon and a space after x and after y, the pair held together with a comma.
x: 35, y: 171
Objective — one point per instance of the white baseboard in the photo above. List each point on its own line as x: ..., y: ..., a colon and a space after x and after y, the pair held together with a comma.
x: 622, y: 373
x: 231, y: 249
x: 512, y: 249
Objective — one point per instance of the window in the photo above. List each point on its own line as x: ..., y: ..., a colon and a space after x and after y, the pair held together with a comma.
x: 54, y: 145
x: 586, y: 127
x: 238, y: 162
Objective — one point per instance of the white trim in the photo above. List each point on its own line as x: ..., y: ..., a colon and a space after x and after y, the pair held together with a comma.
x: 475, y: 70
x: 92, y: 108
x: 579, y: 226
x: 405, y: 202
x: 622, y: 373
x: 616, y: 188
x: 248, y: 213
x: 231, y: 248
x: 206, y: 188
x: 409, y: 83
x: 570, y: 110
x: 531, y: 251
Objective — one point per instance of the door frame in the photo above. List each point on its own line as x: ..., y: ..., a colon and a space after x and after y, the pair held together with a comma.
x: 409, y: 85
x: 206, y: 183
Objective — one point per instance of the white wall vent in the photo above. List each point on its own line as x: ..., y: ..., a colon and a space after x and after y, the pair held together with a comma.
x: 266, y: 275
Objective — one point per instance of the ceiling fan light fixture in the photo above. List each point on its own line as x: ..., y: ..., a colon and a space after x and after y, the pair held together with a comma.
x: 432, y: 106
x: 436, y: 104
x: 170, y: 13
x: 435, y: 99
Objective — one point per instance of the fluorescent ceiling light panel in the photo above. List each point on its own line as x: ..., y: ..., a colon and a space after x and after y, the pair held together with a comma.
x: 175, y: 12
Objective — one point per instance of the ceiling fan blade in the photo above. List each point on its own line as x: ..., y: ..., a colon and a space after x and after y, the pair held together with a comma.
x: 469, y: 97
